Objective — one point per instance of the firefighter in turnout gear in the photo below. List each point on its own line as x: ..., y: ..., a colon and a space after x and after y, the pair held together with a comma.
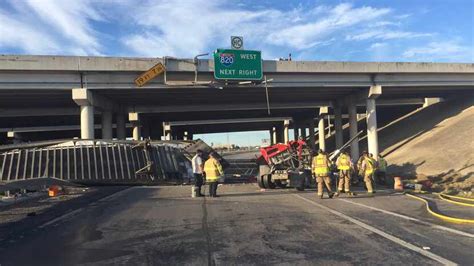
x: 368, y: 168
x: 213, y: 171
x: 321, y: 169
x: 344, y: 165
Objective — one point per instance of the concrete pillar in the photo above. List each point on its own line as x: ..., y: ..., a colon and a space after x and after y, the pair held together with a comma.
x: 136, y: 132
x: 135, y: 120
x: 106, y: 124
x: 372, y: 138
x: 323, y: 111
x: 273, y: 133
x: 312, y: 139
x: 286, y: 131
x: 87, y: 122
x: 295, y: 130
x: 352, y: 110
x: 338, y: 126
x: 121, y: 126
x: 167, y: 130
x: 303, y: 131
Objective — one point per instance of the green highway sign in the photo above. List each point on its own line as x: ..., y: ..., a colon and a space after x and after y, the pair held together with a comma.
x: 237, y: 64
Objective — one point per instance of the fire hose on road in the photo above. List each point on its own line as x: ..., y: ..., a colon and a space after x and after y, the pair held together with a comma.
x: 442, y: 216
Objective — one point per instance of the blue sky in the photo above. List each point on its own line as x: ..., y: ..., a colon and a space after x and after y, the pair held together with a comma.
x: 369, y: 30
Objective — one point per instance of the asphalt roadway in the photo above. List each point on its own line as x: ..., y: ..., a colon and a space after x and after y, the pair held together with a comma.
x: 165, y: 226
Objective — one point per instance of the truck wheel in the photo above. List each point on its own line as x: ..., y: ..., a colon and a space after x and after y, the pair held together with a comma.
x: 267, y: 181
x: 260, y: 182
x: 280, y: 184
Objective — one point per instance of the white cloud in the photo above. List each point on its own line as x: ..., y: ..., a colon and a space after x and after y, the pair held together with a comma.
x: 309, y: 34
x: 70, y: 19
x: 15, y: 33
x: 50, y: 27
x: 377, y: 45
x: 185, y: 28
x: 386, y: 35
x: 443, y: 50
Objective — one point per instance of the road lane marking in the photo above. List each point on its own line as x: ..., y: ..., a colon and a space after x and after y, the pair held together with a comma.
x: 62, y: 217
x: 440, y: 227
x: 72, y: 213
x: 116, y: 194
x: 382, y: 234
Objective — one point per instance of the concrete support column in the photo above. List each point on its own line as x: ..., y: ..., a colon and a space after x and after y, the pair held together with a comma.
x: 323, y: 111
x: 303, y: 131
x: 352, y: 110
x: 372, y: 137
x: 338, y: 126
x: 185, y: 135
x: 87, y: 122
x: 121, y: 126
x: 295, y: 130
x: 273, y: 135
x: 371, y: 114
x: 86, y: 99
x: 312, y: 139
x: 135, y: 120
x: 286, y: 131
x: 167, y: 130
x: 106, y: 124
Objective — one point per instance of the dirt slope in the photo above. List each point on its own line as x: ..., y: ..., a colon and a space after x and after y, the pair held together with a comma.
x: 436, y: 142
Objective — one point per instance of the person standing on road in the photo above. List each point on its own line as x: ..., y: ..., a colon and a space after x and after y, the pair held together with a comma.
x: 213, y: 170
x: 321, y: 166
x: 344, y: 165
x: 198, y: 167
x: 368, y: 168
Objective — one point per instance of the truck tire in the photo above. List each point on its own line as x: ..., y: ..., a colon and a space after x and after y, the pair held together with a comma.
x: 280, y: 184
x: 260, y: 181
x: 267, y: 182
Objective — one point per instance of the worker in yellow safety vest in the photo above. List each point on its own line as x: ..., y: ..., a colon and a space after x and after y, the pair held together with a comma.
x: 344, y: 165
x: 368, y: 167
x: 321, y: 169
x: 382, y: 170
x: 213, y: 171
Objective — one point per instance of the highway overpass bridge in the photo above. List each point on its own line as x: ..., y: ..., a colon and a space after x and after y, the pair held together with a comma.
x: 55, y: 91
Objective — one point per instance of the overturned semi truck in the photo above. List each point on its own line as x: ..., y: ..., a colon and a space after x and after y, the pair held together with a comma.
x: 289, y: 165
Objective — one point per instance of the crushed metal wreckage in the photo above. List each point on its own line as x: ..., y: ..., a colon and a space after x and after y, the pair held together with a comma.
x: 99, y: 162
